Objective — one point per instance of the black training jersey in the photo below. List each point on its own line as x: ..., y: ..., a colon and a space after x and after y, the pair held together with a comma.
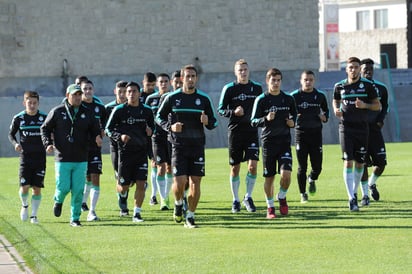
x: 379, y: 116
x: 28, y: 127
x: 70, y: 131
x: 234, y: 95
x: 309, y: 106
x: 109, y: 108
x: 283, y: 105
x: 132, y: 121
x: 186, y: 108
x: 99, y: 111
x: 144, y: 95
x: 348, y: 93
x: 153, y: 101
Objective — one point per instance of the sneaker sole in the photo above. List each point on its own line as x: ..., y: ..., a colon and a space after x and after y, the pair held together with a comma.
x: 178, y: 219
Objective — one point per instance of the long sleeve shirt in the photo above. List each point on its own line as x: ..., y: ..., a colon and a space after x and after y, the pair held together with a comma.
x: 186, y: 108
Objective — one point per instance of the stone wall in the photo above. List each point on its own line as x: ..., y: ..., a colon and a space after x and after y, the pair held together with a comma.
x: 121, y: 37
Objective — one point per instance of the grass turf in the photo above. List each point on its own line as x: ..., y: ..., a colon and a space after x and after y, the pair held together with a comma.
x: 321, y: 236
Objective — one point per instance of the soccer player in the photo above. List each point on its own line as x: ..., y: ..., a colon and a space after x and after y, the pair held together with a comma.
x: 185, y: 112
x: 94, y: 165
x: 130, y: 125
x: 176, y: 81
x: 376, y: 154
x: 160, y: 144
x: 236, y: 102
x: 312, y: 108
x: 120, y: 93
x: 149, y: 85
x: 353, y: 97
x: 32, y: 153
x: 275, y: 111
x: 67, y: 131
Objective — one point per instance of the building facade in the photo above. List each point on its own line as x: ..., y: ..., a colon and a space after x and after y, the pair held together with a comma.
x: 367, y: 28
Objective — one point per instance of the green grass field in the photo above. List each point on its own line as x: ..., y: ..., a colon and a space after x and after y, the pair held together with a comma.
x: 322, y: 236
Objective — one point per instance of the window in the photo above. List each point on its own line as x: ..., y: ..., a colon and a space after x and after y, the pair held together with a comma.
x: 362, y: 20
x: 380, y: 19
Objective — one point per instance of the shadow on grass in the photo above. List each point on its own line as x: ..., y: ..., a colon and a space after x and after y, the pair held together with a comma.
x: 36, y: 253
x: 323, y: 214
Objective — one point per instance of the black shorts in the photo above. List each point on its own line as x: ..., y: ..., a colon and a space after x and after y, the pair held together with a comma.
x: 243, y: 146
x: 94, y: 162
x: 376, y: 155
x: 162, y: 151
x: 276, y: 157
x: 188, y: 160
x: 32, y: 172
x: 354, y: 142
x: 132, y: 166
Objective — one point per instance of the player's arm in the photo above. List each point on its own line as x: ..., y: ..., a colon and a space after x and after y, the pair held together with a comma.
x: 14, y: 128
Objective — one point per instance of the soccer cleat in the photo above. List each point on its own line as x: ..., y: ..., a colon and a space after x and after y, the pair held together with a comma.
x: 236, y: 207
x: 75, y: 223
x: 353, y: 205
x: 164, y: 204
x: 33, y: 220
x: 365, y: 200
x: 304, y: 198
x: 190, y: 223
x: 248, y: 203
x: 271, y: 213
x: 92, y: 216
x: 57, y: 209
x: 283, y: 206
x: 355, y: 195
x: 178, y: 213
x: 85, y: 207
x: 137, y: 218
x: 124, y: 212
x: 24, y: 213
x: 153, y: 201
x: 374, y: 192
x: 312, y: 188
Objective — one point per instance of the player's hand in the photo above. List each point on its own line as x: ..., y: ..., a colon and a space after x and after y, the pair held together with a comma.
x: 50, y: 149
x: 125, y: 138
x: 338, y: 113
x: 177, y: 127
x: 99, y: 141
x: 204, y: 119
x: 360, y: 104
x: 271, y: 116
x: 239, y: 111
x: 18, y: 148
x: 322, y: 117
x: 149, y: 131
x: 290, y: 123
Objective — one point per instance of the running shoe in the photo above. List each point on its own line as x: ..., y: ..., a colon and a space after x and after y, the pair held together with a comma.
x: 374, y: 192
x: 248, y: 203
x: 271, y: 213
x: 236, y: 207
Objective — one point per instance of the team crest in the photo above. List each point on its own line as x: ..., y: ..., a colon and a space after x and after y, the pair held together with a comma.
x: 197, y: 102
